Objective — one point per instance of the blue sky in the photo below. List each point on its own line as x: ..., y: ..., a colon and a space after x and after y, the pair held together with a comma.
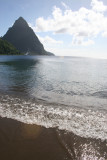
x: 65, y: 27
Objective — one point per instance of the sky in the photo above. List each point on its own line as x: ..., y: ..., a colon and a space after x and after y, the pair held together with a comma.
x: 65, y: 27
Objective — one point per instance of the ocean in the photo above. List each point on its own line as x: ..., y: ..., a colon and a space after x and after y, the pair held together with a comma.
x: 67, y: 93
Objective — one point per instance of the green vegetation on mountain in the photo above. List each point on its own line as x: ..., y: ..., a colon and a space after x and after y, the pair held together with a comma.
x: 7, y: 49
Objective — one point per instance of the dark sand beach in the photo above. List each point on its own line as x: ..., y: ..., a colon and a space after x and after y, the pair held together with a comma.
x: 20, y: 141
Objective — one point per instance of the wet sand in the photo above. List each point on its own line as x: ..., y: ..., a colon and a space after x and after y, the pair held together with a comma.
x: 20, y: 141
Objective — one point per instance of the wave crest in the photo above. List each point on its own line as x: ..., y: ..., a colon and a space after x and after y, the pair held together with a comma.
x: 82, y: 122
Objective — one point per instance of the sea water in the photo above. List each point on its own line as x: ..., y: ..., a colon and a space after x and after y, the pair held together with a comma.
x: 65, y: 92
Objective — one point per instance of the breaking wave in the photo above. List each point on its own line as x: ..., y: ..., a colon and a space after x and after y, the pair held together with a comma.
x: 82, y: 122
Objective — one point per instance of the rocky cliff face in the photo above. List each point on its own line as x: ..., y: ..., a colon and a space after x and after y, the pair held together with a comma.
x: 24, y: 38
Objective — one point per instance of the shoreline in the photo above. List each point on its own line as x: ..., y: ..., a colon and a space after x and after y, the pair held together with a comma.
x: 20, y: 141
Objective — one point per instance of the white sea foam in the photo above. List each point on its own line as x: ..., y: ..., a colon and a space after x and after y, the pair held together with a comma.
x: 85, y: 123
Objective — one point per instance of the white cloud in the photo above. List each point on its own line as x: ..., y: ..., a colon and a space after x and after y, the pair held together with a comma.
x: 98, y: 6
x: 88, y: 42
x: 104, y: 34
x: 48, y: 40
x: 80, y: 41
x: 82, y: 24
